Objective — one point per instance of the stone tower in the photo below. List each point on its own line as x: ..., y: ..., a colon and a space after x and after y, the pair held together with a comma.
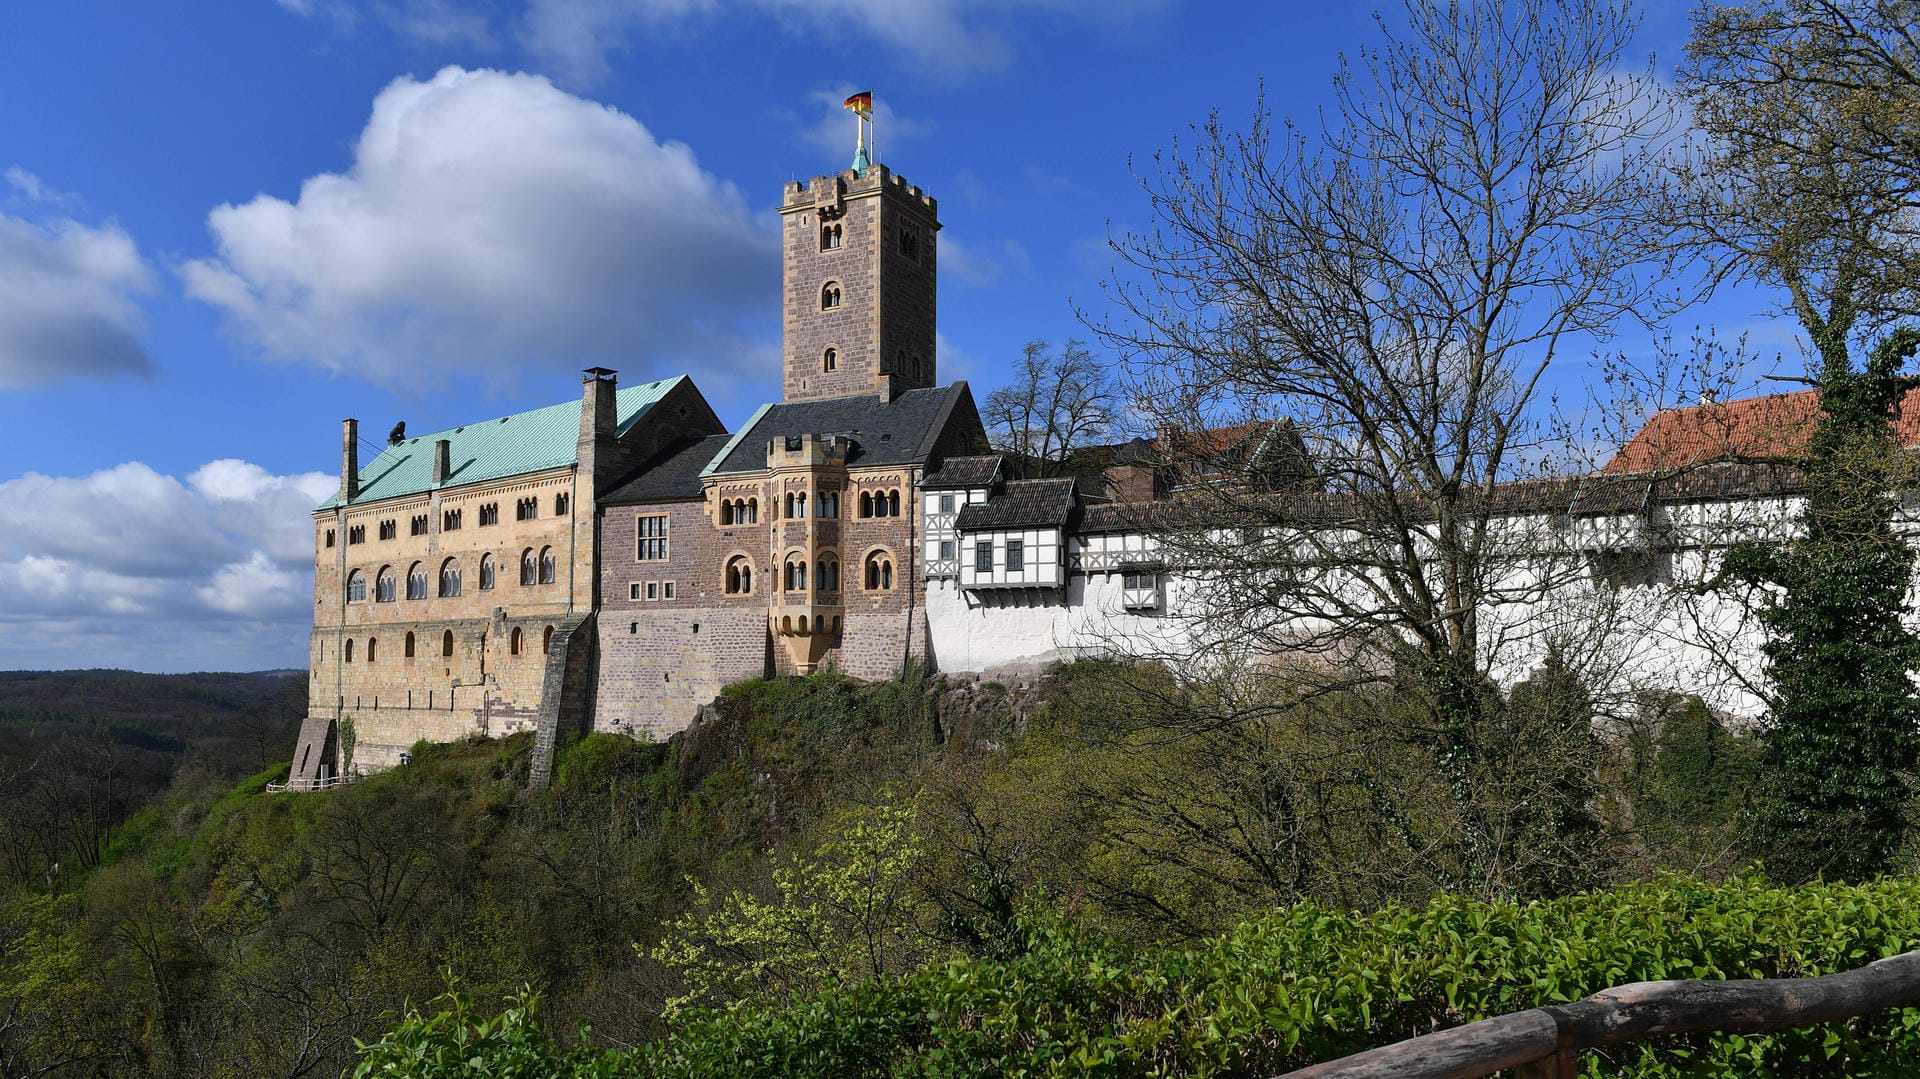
x: 857, y: 286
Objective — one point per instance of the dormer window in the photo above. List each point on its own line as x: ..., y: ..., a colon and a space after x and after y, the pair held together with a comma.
x: 830, y: 237
x: 830, y: 296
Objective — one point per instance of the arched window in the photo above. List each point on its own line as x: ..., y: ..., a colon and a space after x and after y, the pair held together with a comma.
x: 446, y: 643
x: 830, y: 361
x: 866, y: 504
x: 513, y: 642
x: 830, y: 296
x: 546, y: 641
x: 373, y: 648
x: 486, y: 572
x: 753, y: 511
x: 449, y: 578
x: 893, y: 503
x: 829, y: 504
x: 526, y: 566
x: 546, y: 565
x: 797, y: 575
x: 726, y: 512
x: 900, y: 362
x: 417, y: 581
x: 830, y: 237
x: 349, y: 652
x: 385, y: 586
x: 913, y: 367
x: 879, y: 571
x: 827, y: 576
x: 409, y: 645
x: 356, y: 587
x: 739, y: 575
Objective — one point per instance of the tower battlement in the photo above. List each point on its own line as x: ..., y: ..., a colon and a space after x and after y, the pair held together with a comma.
x: 859, y: 274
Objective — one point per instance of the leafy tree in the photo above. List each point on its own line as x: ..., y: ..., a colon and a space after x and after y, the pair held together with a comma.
x: 847, y: 917
x: 1806, y: 184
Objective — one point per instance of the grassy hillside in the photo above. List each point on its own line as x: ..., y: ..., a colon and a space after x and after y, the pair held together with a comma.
x: 820, y: 853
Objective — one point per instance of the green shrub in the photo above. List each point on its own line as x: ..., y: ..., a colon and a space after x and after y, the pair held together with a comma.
x: 1305, y: 984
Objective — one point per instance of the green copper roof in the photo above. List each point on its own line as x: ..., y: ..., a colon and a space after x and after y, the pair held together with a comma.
x: 509, y: 446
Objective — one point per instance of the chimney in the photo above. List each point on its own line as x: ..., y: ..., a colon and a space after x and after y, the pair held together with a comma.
x: 350, y: 460
x: 1708, y: 396
x: 442, y: 461
x: 598, y: 417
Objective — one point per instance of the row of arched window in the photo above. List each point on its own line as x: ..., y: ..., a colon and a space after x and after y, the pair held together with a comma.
x: 516, y: 643
x: 535, y: 568
x: 825, y: 504
x: 795, y: 573
x: 880, y: 503
x: 740, y: 511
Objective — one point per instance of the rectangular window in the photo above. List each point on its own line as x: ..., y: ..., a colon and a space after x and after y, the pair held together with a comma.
x: 946, y: 503
x: 652, y: 533
x: 1016, y: 556
x: 653, y: 589
x: 633, y: 590
x: 983, y: 557
x: 666, y: 590
x: 946, y: 550
x: 1133, y: 581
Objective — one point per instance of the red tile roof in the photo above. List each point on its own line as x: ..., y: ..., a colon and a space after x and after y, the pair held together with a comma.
x: 1770, y: 428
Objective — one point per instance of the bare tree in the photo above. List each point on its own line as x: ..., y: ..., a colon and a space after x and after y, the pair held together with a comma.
x: 1397, y: 283
x: 1056, y: 403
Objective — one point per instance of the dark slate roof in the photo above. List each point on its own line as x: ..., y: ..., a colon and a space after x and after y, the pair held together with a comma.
x: 900, y: 432
x: 1021, y: 504
x: 1113, y: 517
x: 671, y: 475
x: 957, y: 472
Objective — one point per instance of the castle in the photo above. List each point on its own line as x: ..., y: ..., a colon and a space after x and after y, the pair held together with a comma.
x: 612, y: 564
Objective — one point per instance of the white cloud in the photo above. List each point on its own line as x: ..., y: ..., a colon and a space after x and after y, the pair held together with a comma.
x: 491, y: 222
x: 212, y: 573
x: 68, y: 306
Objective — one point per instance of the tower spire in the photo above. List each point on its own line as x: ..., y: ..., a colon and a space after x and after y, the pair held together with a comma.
x: 861, y: 105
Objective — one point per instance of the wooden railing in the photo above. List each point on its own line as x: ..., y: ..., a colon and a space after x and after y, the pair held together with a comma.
x: 1545, y: 1043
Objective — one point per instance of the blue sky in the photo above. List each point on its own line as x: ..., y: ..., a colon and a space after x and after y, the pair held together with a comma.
x: 225, y: 226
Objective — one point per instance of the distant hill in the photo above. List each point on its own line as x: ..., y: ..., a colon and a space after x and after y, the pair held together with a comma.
x: 80, y: 751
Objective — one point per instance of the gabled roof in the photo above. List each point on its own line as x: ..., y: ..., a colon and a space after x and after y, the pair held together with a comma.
x: 523, y: 442
x: 671, y: 475
x: 1771, y: 428
x: 961, y: 472
x: 1021, y: 504
x: 902, y: 431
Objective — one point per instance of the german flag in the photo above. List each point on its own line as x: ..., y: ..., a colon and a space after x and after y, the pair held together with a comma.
x: 861, y: 103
